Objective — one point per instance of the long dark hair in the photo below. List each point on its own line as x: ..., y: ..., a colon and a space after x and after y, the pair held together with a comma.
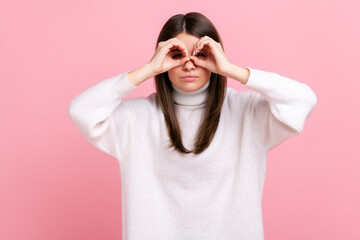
x: 198, y: 25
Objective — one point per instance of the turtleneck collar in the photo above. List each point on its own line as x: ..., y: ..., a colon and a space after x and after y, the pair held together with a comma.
x: 190, y: 98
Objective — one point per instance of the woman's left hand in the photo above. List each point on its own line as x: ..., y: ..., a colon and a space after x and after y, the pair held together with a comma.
x: 210, y: 55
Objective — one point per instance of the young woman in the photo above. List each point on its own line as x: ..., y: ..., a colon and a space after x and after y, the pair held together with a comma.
x: 192, y: 155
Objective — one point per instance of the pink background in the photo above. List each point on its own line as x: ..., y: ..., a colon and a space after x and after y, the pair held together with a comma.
x: 55, y: 185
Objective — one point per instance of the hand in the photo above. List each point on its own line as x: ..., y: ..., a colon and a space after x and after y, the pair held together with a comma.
x: 163, y: 59
x: 210, y: 55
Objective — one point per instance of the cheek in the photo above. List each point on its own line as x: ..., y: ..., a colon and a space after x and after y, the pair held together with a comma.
x: 206, y: 74
x: 173, y: 73
x: 170, y: 73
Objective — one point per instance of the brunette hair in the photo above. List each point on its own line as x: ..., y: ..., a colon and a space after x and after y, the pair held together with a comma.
x: 198, y: 25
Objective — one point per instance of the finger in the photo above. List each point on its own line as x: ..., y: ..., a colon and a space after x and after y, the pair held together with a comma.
x: 198, y: 44
x: 184, y: 60
x: 183, y: 45
x: 180, y: 45
x: 205, y: 42
x: 181, y: 61
x: 197, y: 61
x: 176, y: 49
x: 169, y: 40
x: 177, y: 44
x: 163, y: 43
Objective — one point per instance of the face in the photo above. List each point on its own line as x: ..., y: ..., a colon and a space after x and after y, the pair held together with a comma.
x: 176, y: 74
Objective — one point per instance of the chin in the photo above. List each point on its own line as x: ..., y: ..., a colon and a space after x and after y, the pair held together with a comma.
x: 190, y: 88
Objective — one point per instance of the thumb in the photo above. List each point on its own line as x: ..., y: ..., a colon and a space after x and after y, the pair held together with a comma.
x: 196, y: 61
x: 184, y: 60
x: 180, y: 61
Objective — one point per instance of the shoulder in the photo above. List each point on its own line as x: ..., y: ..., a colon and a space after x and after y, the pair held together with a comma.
x: 237, y: 99
x: 141, y: 104
x: 247, y: 102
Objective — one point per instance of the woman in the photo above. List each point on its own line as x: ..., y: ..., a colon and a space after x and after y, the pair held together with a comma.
x: 192, y: 155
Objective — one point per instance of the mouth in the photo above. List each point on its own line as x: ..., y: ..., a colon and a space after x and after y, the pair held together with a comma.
x: 189, y: 78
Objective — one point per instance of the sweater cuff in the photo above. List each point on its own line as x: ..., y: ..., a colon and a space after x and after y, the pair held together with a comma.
x: 119, y: 85
x: 129, y: 84
x: 262, y: 81
x: 123, y: 85
x: 254, y: 77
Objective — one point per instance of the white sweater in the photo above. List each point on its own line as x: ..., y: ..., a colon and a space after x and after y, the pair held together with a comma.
x: 167, y: 195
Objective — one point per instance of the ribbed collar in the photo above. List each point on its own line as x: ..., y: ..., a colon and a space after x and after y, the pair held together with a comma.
x: 190, y: 98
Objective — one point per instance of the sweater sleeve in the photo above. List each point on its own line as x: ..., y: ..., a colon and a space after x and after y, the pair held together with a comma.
x: 279, y: 106
x: 101, y: 115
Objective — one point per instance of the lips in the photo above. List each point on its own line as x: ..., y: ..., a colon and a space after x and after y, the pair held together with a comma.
x: 186, y: 76
x: 189, y: 78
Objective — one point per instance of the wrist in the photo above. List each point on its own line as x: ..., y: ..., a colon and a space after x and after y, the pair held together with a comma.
x: 238, y: 73
x: 139, y: 75
x: 149, y: 70
x: 227, y: 69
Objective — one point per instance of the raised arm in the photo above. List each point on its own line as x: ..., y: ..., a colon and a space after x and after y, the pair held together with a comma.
x: 102, y: 116
x: 279, y: 106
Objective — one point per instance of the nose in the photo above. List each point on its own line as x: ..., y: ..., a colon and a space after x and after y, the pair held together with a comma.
x: 189, y: 65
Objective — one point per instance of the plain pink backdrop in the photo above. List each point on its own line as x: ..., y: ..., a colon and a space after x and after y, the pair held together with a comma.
x: 55, y: 185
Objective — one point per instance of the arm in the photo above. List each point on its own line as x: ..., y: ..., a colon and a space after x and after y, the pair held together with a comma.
x: 279, y: 106
x: 141, y: 74
x: 101, y: 114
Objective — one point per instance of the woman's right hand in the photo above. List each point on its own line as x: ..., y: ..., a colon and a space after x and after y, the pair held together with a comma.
x: 169, y: 54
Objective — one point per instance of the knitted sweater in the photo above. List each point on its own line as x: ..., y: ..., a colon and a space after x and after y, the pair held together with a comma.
x: 167, y: 195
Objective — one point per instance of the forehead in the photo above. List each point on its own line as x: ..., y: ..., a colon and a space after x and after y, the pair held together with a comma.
x: 188, y: 40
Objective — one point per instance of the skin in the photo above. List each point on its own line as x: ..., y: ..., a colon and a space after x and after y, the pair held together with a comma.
x: 194, y: 63
x: 188, y: 67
